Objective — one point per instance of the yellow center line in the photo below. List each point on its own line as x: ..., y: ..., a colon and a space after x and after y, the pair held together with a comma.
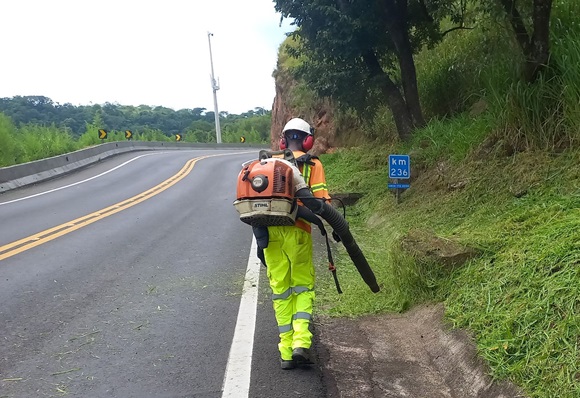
x: 19, y: 246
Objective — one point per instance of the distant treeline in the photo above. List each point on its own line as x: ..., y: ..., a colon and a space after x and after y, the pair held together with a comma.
x: 196, y: 124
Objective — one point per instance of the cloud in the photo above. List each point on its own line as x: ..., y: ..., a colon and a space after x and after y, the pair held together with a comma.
x: 142, y: 52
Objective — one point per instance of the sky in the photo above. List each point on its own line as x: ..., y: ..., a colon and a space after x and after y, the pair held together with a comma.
x: 135, y: 52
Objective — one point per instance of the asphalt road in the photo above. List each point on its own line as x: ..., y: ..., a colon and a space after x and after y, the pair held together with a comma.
x: 140, y: 298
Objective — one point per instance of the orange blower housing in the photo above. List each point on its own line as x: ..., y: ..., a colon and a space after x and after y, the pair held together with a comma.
x: 265, y: 194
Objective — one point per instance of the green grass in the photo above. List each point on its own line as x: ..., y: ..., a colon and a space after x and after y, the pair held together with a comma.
x: 9, y: 150
x: 520, y: 297
x: 38, y: 142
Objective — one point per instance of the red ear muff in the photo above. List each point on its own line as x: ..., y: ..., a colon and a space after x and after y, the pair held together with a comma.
x: 282, y: 143
x: 307, y: 143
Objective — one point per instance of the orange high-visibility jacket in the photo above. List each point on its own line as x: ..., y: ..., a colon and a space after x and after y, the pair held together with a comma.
x: 316, y: 179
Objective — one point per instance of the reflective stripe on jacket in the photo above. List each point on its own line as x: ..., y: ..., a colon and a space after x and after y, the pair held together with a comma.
x: 316, y: 179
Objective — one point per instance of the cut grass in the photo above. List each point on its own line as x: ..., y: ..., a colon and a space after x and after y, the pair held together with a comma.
x: 520, y: 297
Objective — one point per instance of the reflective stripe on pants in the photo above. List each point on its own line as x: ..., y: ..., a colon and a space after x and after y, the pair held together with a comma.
x: 291, y: 276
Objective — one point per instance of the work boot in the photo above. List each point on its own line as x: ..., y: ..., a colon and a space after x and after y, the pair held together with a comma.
x: 301, y: 356
x: 287, y: 364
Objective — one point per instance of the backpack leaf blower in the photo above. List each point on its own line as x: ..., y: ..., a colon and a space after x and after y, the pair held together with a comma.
x: 267, y: 193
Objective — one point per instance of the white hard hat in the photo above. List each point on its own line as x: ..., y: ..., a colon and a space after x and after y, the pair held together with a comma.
x: 297, y: 124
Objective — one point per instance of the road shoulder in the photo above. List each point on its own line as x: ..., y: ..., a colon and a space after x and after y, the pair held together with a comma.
x: 413, y: 354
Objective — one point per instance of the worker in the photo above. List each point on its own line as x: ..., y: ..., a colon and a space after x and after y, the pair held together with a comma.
x: 288, y: 256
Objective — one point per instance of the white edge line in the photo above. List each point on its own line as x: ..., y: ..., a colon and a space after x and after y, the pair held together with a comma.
x: 78, y: 182
x: 238, y: 370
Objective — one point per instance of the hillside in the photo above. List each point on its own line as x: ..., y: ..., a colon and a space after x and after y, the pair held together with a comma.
x: 518, y: 296
x: 495, y: 176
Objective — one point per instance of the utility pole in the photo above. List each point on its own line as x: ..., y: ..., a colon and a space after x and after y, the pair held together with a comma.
x: 215, y: 87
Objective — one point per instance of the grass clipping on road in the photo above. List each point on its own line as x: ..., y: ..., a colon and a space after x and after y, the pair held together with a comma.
x: 520, y: 297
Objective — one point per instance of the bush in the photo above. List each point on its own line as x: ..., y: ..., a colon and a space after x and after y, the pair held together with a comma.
x: 10, y: 148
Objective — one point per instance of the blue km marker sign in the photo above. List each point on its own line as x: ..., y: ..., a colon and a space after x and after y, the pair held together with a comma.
x: 399, y: 166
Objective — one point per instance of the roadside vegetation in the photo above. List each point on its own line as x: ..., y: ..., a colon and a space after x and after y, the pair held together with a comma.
x: 34, y: 127
x: 519, y: 297
x: 495, y: 169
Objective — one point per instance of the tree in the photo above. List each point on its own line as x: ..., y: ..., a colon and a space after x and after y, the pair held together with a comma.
x: 356, y: 49
x: 117, y: 118
x: 534, y: 39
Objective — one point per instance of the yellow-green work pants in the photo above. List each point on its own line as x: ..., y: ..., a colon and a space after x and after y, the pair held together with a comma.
x: 291, y: 275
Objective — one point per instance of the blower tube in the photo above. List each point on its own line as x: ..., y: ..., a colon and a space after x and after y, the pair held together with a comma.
x: 340, y: 226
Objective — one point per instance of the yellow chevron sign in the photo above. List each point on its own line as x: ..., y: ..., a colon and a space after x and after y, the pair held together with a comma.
x: 128, y: 134
x: 177, y: 137
x: 102, y: 134
x: 242, y: 139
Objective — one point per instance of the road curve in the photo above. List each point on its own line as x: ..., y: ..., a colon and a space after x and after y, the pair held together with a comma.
x: 140, y: 299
